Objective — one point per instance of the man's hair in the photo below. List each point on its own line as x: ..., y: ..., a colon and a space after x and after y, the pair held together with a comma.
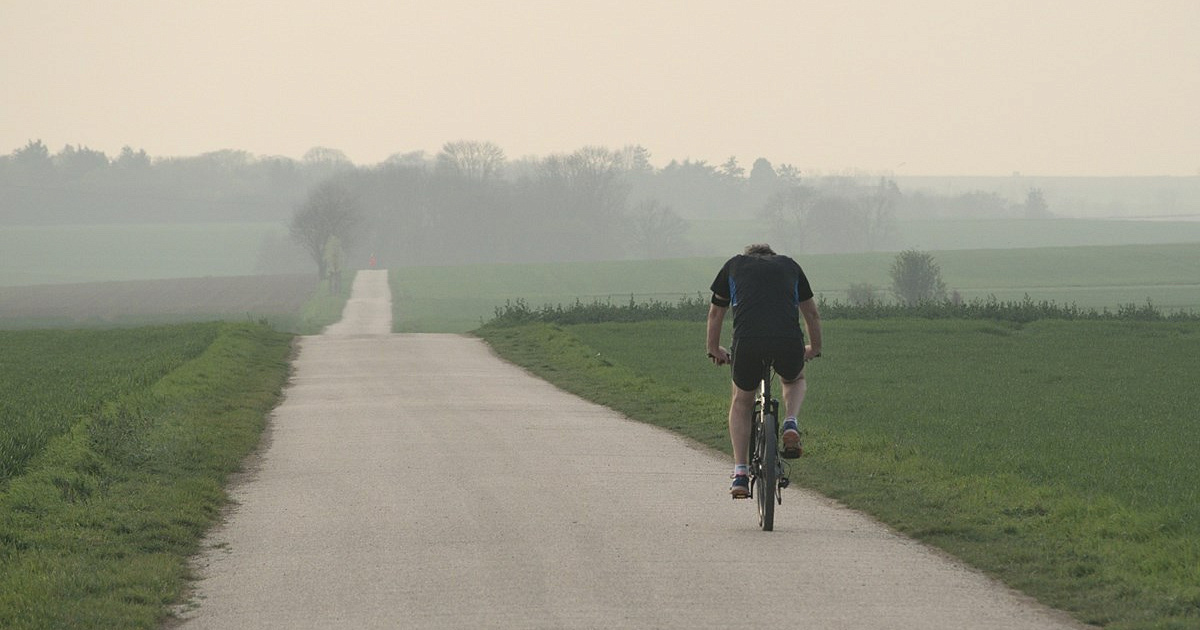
x: 759, y: 249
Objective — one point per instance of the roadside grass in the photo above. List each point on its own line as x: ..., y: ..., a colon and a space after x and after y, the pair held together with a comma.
x: 324, y: 307
x: 460, y: 299
x: 1057, y: 456
x: 140, y: 429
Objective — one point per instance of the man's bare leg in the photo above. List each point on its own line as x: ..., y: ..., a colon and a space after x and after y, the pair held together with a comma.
x: 741, y: 409
x: 793, y: 398
x: 740, y: 412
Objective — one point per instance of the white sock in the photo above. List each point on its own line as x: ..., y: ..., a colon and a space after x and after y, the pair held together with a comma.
x: 741, y: 470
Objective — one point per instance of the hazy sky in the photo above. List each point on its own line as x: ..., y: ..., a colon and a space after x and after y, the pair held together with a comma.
x: 986, y: 87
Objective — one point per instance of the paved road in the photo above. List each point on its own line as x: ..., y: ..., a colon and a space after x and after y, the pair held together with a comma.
x: 417, y: 481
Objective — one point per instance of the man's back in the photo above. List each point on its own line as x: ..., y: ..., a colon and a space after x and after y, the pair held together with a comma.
x: 765, y: 292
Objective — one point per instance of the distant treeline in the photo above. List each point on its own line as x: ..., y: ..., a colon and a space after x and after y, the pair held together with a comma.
x: 695, y: 308
x: 469, y: 203
x: 79, y: 185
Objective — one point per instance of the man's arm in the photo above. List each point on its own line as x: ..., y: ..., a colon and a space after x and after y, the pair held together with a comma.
x: 716, y: 318
x: 812, y: 324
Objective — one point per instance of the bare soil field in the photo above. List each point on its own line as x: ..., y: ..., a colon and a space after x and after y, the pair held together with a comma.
x: 142, y: 301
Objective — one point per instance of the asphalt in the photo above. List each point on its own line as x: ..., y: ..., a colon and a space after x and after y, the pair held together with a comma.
x: 418, y: 481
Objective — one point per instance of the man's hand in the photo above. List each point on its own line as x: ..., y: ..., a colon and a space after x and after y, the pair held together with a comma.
x: 719, y: 356
x: 810, y: 353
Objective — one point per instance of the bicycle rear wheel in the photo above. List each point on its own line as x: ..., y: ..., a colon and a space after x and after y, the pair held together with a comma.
x: 766, y: 481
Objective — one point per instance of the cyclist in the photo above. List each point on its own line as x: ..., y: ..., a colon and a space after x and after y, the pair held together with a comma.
x: 769, y: 293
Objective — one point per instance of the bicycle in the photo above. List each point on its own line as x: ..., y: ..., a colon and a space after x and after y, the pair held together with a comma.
x: 768, y: 472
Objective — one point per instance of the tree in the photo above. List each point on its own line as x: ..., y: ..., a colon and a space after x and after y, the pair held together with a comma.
x: 636, y: 159
x: 330, y: 210
x: 32, y: 162
x: 324, y: 157
x: 731, y: 169
x: 917, y: 278
x: 658, y: 232
x: 880, y: 207
x: 786, y: 213
x: 75, y: 163
x: 412, y: 158
x: 131, y: 160
x: 479, y: 161
x: 763, y: 172
x: 1035, y: 205
x: 581, y: 199
x: 788, y: 174
x: 838, y: 214
x: 333, y: 257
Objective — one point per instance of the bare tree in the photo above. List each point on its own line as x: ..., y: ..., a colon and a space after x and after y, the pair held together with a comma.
x: 657, y: 231
x: 787, y: 213
x: 879, y: 205
x: 331, y: 209
x: 840, y: 216
x: 479, y: 161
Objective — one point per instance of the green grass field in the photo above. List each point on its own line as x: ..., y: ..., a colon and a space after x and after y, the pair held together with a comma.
x: 459, y: 299
x: 99, y: 253
x: 50, y: 379
x: 115, y: 446
x: 295, y: 303
x: 1056, y: 455
x: 32, y: 255
x: 717, y: 236
x: 1053, y: 454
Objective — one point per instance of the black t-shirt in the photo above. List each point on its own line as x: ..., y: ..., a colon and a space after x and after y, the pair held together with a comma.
x: 765, y: 292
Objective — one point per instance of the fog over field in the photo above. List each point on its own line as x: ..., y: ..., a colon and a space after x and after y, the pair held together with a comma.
x: 157, y: 140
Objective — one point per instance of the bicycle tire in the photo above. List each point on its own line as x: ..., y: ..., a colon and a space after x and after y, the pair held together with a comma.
x: 767, y: 448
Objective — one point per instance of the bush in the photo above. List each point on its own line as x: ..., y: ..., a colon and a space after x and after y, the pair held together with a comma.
x: 862, y: 294
x: 917, y: 278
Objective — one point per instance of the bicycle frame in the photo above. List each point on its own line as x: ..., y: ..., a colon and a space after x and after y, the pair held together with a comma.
x: 766, y: 469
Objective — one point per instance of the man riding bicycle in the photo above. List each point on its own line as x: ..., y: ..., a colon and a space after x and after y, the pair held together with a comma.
x: 769, y: 293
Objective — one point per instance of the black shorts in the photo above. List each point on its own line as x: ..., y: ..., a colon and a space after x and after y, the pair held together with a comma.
x: 786, y: 354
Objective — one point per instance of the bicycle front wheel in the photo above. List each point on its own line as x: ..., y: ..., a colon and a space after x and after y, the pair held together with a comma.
x: 766, y: 482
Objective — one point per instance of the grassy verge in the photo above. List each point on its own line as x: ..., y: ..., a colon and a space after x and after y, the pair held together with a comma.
x: 96, y: 526
x: 1054, y: 455
x: 323, y: 308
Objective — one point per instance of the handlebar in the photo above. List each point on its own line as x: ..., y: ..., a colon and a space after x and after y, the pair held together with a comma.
x: 713, y: 356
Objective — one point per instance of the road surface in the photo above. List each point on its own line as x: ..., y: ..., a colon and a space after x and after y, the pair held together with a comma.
x: 417, y: 481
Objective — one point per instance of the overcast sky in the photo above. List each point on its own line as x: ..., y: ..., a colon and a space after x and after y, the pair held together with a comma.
x: 981, y: 87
